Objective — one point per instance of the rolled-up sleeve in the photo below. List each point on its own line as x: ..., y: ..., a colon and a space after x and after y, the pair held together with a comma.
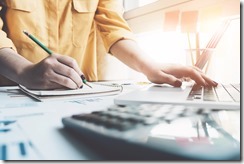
x: 111, y: 24
x: 5, y: 42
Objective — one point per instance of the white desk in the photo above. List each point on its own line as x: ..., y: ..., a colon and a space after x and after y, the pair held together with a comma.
x: 38, y: 132
x: 39, y: 126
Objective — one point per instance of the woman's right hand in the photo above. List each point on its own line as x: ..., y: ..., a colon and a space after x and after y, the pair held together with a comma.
x: 53, y: 72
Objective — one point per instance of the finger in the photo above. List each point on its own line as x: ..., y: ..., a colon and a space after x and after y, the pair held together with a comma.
x: 69, y: 73
x: 209, y: 81
x: 196, y: 76
x: 53, y: 80
x: 69, y: 62
x: 169, y: 79
x: 186, y: 79
x: 54, y: 85
x: 197, y: 69
x: 63, y: 80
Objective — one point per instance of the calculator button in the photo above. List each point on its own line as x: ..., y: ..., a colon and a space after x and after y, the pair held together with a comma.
x: 122, y: 126
x: 150, y: 121
x: 93, y: 118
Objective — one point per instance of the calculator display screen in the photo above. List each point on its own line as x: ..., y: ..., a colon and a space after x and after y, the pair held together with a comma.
x: 199, y: 134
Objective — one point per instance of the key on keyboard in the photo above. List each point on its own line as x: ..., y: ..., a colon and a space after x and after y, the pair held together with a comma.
x: 209, y: 94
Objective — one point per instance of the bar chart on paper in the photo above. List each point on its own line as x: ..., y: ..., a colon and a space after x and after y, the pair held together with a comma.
x: 14, y: 144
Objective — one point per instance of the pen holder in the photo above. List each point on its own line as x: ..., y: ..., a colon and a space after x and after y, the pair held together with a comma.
x: 199, y: 57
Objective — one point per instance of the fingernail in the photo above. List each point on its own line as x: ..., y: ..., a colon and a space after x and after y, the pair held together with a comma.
x: 177, y: 83
x: 215, y: 83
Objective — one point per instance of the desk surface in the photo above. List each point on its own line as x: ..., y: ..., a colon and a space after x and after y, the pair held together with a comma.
x: 39, y: 126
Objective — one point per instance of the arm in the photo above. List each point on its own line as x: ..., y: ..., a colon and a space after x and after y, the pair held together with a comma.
x: 129, y: 53
x: 55, y: 71
x: 117, y: 38
x: 12, y: 64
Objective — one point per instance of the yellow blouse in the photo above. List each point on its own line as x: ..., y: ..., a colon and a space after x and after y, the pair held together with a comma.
x: 67, y: 27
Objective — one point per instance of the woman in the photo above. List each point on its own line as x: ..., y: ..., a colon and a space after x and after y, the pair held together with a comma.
x: 69, y: 28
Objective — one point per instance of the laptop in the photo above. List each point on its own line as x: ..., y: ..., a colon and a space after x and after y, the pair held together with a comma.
x: 224, y: 96
x: 220, y: 97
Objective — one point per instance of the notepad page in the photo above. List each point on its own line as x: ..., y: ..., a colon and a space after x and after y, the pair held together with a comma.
x: 96, y: 88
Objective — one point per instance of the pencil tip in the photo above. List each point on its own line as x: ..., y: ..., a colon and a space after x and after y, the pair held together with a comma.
x: 88, y: 85
x: 24, y: 31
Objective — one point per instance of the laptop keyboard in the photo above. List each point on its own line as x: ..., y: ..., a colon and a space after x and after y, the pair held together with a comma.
x: 222, y: 93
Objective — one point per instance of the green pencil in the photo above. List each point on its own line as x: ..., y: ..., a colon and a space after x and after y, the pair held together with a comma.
x: 38, y: 42
x: 50, y: 52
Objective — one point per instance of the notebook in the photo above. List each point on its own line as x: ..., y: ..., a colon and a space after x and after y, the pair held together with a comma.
x: 67, y: 94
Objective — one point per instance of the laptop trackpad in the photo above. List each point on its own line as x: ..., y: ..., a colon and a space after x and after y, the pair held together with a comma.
x: 167, y: 93
x: 156, y: 94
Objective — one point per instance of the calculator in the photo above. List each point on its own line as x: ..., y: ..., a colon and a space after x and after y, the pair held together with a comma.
x: 160, y: 132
